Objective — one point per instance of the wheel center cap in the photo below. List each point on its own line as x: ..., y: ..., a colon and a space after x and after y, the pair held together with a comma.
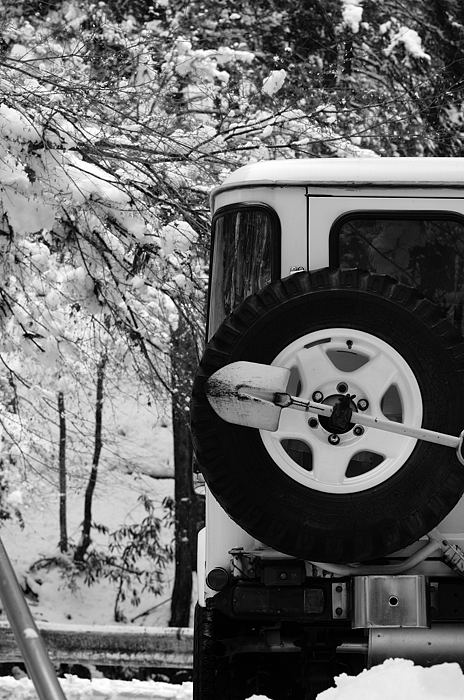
x: 340, y: 420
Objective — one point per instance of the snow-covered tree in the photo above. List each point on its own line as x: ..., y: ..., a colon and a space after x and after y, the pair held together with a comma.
x: 117, y: 118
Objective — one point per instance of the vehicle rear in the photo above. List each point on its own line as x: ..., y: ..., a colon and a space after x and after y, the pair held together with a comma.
x: 330, y: 546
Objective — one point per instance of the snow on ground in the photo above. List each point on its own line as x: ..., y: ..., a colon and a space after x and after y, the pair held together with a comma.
x: 61, y: 599
x: 395, y: 679
x: 140, y: 448
x: 98, y: 689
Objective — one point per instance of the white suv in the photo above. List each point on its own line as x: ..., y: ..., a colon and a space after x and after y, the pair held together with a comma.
x: 329, y: 544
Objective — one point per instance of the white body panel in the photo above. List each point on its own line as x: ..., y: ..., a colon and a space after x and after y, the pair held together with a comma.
x: 308, y: 197
x: 201, y: 567
x: 222, y: 535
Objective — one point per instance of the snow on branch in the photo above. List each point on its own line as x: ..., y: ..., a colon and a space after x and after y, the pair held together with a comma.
x: 411, y: 42
x: 352, y: 11
x: 273, y: 82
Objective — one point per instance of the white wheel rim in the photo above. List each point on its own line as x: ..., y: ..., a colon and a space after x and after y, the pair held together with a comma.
x: 384, y: 379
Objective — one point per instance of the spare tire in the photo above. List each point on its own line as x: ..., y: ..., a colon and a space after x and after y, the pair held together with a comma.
x: 310, y: 490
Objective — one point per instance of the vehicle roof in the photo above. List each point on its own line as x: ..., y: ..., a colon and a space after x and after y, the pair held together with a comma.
x: 413, y: 172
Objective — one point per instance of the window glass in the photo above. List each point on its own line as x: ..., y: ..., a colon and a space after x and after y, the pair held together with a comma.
x: 242, y: 260
x: 425, y: 253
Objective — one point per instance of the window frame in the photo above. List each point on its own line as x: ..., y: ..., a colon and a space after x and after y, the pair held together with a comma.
x: 276, y: 243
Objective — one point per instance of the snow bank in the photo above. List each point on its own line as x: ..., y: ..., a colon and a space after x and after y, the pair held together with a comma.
x: 102, y: 688
x: 399, y: 679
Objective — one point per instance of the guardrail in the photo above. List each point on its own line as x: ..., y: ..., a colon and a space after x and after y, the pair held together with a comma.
x: 108, y: 645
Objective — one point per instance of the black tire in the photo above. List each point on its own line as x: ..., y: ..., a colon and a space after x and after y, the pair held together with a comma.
x: 278, y: 510
x: 210, y: 670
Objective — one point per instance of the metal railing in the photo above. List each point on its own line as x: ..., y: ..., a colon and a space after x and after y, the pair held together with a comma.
x: 112, y: 645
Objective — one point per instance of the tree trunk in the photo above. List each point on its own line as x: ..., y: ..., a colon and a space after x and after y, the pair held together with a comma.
x: 87, y: 524
x: 63, y: 543
x: 183, y: 363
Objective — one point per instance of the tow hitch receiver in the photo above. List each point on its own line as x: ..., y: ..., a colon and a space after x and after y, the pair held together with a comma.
x: 253, y: 395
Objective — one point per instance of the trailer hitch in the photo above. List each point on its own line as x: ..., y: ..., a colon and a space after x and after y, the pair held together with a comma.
x: 253, y: 395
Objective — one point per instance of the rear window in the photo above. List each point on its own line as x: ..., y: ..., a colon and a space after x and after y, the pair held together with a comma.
x: 245, y: 257
x: 424, y: 251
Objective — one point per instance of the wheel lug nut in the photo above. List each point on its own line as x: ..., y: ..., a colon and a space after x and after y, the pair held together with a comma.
x: 318, y: 396
x: 358, y: 430
x: 342, y: 388
x: 313, y: 422
x: 363, y: 404
x: 333, y: 439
